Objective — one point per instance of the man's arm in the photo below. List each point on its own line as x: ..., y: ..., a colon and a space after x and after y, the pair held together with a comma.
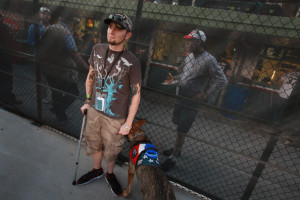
x: 71, y: 45
x: 78, y: 59
x: 135, y: 101
x: 218, y: 77
x: 30, y: 37
x: 89, y: 84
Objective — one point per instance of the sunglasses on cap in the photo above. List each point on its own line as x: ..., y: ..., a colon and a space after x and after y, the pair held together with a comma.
x: 44, y: 9
x: 119, y: 18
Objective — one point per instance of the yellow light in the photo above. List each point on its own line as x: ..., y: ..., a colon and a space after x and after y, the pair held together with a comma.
x: 90, y: 23
x: 273, y: 75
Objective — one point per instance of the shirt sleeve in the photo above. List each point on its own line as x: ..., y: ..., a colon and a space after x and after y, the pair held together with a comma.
x: 91, y: 59
x: 135, y: 75
x: 70, y: 42
x: 219, y: 80
x: 30, y: 37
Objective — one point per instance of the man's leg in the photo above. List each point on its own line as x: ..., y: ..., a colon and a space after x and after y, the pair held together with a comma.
x: 97, y: 158
x: 94, y: 146
x: 176, y: 150
x: 110, y: 167
x: 188, y: 116
x: 113, y: 143
x: 183, y: 117
x: 180, y: 137
x: 95, y: 173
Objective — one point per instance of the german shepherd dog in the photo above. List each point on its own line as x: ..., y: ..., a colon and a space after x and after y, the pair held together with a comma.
x: 153, y: 181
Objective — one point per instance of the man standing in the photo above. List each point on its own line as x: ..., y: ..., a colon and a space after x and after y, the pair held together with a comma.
x: 199, y: 76
x: 35, y: 31
x: 114, y: 76
x: 60, y: 58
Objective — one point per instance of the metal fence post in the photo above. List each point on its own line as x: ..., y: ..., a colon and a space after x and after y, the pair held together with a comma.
x: 138, y: 15
x: 37, y: 70
x: 260, y: 166
x: 35, y: 6
x: 135, y: 30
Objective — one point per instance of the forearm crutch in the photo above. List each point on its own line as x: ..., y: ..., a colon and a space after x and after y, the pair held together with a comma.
x: 79, y: 143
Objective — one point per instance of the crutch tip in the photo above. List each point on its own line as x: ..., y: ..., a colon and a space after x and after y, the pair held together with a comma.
x: 74, y: 183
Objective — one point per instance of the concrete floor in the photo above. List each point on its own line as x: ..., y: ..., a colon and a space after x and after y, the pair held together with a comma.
x: 38, y: 163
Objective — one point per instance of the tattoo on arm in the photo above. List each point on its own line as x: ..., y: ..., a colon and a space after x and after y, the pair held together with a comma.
x: 135, y: 89
x: 90, y: 81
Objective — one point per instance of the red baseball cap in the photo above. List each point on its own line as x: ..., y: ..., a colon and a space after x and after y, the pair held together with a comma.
x: 196, y: 34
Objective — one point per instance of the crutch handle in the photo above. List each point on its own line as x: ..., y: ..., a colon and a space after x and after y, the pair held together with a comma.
x: 85, y: 112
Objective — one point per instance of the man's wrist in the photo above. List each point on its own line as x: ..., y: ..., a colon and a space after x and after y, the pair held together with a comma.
x: 127, y: 127
x: 87, y: 101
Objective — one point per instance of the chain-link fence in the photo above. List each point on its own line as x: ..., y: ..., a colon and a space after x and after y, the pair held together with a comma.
x: 222, y: 107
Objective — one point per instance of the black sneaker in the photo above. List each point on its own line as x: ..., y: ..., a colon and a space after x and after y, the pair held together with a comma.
x: 90, y: 176
x: 114, y: 184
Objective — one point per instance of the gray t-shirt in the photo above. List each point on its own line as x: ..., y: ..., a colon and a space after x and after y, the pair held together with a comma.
x: 200, y: 74
x: 114, y: 81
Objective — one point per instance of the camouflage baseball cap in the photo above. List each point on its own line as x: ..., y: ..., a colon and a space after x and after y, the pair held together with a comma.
x: 121, y: 20
x: 196, y: 34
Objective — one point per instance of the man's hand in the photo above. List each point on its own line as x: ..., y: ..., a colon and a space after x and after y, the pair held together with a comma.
x: 169, y: 79
x: 124, y: 130
x: 85, y: 106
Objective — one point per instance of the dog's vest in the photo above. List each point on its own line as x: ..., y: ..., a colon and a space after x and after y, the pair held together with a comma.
x: 144, y: 154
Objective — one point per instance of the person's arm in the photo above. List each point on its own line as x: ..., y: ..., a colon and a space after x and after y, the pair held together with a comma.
x: 78, y: 59
x: 89, y: 84
x: 218, y: 77
x: 175, y: 79
x: 71, y: 45
x: 30, y: 37
x: 135, y: 101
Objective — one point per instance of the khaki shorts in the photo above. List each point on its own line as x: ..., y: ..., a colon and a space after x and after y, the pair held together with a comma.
x: 101, y: 133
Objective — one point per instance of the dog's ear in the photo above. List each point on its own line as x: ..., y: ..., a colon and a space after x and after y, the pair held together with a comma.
x: 140, y: 122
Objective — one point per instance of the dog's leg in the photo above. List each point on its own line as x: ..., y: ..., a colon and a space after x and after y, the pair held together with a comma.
x: 131, y: 171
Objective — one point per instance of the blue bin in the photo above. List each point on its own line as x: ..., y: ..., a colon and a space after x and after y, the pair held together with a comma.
x: 234, y: 99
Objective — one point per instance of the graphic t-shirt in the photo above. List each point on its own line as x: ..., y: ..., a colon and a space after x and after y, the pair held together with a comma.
x: 114, y: 81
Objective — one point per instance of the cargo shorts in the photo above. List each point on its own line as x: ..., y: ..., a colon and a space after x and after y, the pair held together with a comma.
x: 101, y: 134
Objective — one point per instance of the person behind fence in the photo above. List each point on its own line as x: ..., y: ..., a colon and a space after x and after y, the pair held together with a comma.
x: 6, y: 68
x: 61, y: 61
x: 35, y: 32
x: 199, y: 76
x: 288, y: 82
x: 114, y: 77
